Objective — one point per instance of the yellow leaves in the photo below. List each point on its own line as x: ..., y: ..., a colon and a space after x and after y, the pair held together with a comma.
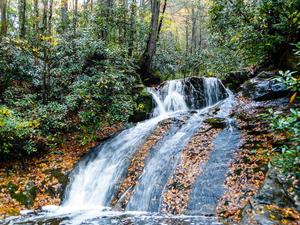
x: 293, y: 98
x: 49, y: 39
x: 5, y: 112
x: 35, y: 50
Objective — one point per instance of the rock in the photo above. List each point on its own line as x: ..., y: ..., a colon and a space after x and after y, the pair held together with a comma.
x: 63, y: 180
x: 264, y: 87
x: 216, y: 122
x: 144, y: 106
x: 195, y: 94
x: 234, y: 80
x: 271, y: 199
x: 26, y: 197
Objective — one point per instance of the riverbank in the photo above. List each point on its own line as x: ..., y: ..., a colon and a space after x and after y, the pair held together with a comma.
x: 40, y: 180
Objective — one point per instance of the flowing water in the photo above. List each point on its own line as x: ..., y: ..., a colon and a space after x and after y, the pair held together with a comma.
x: 95, y: 180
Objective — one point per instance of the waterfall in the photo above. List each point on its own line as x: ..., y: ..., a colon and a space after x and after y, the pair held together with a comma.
x: 171, y: 98
x: 95, y: 180
x: 212, y: 90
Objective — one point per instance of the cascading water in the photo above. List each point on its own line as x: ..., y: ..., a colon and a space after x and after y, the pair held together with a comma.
x: 170, y: 98
x: 95, y: 180
x: 212, y: 92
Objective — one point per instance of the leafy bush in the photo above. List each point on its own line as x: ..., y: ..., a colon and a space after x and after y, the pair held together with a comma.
x: 52, y: 117
x: 88, y: 85
x: 289, y: 124
x: 258, y: 31
x: 17, y: 135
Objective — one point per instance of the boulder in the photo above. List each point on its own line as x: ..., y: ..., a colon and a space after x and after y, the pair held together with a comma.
x: 234, y: 80
x: 144, y: 106
x: 26, y: 197
x: 264, y: 87
x: 269, y: 204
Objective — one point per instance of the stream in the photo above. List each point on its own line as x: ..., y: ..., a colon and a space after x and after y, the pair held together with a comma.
x: 96, y: 178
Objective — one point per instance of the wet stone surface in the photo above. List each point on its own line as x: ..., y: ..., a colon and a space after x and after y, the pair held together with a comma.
x: 208, y: 188
x: 116, y: 218
x: 197, y: 151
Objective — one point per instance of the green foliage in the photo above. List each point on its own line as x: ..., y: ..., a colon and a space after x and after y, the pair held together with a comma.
x: 88, y: 85
x: 256, y: 30
x: 17, y: 135
x: 288, y: 124
x: 288, y: 78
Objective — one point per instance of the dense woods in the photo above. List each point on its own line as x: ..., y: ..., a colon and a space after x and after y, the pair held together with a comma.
x: 72, y: 69
x: 73, y: 66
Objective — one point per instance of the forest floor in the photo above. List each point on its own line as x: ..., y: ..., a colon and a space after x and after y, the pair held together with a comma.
x: 40, y: 180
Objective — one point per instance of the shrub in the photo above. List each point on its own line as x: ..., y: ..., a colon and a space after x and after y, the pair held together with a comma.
x: 17, y: 135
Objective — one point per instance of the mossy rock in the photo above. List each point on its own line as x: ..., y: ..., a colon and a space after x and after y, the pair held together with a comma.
x: 25, y: 198
x: 143, y: 106
x: 62, y: 178
x: 216, y: 122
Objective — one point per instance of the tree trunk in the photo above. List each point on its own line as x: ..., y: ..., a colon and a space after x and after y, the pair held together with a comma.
x: 3, y: 7
x: 50, y: 17
x: 75, y: 17
x: 193, y: 41
x: 45, y: 16
x: 64, y: 14
x: 36, y: 17
x: 22, y: 18
x: 161, y: 19
x: 132, y: 28
x: 146, y: 59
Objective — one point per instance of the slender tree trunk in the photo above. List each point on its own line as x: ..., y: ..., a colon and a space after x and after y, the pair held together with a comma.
x: 45, y: 16
x: 186, y: 36
x: 3, y: 7
x: 50, y: 17
x: 132, y: 28
x: 161, y: 19
x: 75, y: 17
x: 36, y: 17
x: 22, y: 18
x: 146, y: 59
x: 45, y: 52
x: 64, y: 14
x: 193, y: 40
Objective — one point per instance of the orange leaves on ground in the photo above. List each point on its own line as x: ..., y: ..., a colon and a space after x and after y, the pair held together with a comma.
x: 138, y: 163
x: 47, y: 173
x: 178, y: 189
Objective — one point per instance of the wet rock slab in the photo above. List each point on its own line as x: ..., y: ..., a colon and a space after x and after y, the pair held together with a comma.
x: 264, y: 87
x: 197, y: 151
x: 113, y: 218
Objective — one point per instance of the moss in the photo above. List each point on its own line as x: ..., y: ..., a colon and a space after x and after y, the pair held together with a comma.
x: 25, y: 198
x: 63, y: 180
x: 216, y: 122
x: 143, y: 106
